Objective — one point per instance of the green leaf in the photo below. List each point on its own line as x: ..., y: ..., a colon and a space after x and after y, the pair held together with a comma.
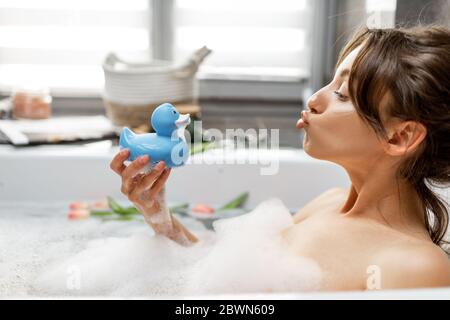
x: 120, y: 218
x: 130, y: 211
x: 201, y: 147
x: 238, y: 202
x: 117, y: 208
x: 114, y: 205
x: 181, y: 208
x: 101, y: 213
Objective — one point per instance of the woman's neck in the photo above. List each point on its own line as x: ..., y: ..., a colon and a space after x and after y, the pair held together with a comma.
x: 377, y: 194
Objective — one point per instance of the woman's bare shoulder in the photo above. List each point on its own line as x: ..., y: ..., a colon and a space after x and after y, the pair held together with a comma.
x: 414, y: 265
x: 329, y: 197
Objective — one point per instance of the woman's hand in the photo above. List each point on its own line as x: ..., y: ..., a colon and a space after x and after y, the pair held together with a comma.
x: 146, y: 192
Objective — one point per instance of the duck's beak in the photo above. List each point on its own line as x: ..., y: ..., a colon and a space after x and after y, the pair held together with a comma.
x: 183, y: 120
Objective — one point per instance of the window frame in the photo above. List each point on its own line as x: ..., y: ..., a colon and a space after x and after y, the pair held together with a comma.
x: 270, y: 89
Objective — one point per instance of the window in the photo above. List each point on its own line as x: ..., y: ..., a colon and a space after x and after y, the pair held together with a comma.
x: 381, y: 13
x: 251, y: 39
x: 61, y: 44
x: 264, y: 46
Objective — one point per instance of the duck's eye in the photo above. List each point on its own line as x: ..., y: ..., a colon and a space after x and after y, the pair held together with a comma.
x: 174, y: 112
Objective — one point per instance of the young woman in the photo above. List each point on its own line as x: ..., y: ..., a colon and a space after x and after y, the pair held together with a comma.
x: 385, y: 118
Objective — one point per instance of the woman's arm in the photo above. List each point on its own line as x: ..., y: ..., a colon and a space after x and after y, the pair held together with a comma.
x: 164, y: 223
x: 146, y: 192
x: 175, y: 231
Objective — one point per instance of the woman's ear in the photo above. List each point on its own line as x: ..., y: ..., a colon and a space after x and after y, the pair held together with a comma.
x: 405, y: 137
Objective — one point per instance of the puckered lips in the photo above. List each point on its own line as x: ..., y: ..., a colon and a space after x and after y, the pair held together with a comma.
x: 303, y: 121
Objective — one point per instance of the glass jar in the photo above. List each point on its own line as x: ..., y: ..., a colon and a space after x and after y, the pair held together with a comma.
x: 31, y: 103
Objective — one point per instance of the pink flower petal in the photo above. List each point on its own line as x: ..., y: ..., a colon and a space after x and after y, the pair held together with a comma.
x: 101, y: 204
x: 79, y: 214
x: 79, y: 205
x: 203, y: 208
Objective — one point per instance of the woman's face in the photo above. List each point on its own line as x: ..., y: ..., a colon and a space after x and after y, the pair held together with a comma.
x: 333, y: 129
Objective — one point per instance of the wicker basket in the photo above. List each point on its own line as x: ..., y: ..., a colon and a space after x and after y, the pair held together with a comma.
x: 135, y: 116
x: 134, y: 90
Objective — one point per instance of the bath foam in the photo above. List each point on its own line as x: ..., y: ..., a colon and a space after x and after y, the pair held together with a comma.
x: 35, y: 236
x: 140, y: 265
x: 249, y: 256
x: 245, y: 255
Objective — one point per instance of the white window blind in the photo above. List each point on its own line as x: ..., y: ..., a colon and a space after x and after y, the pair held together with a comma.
x: 61, y: 44
x: 251, y: 39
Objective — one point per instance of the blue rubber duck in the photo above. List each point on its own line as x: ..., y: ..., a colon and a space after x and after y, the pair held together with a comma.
x: 166, y: 144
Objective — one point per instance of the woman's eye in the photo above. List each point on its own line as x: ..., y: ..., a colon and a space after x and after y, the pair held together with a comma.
x: 340, y: 96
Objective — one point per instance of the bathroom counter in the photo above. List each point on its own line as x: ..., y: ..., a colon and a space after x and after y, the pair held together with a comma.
x: 101, y: 148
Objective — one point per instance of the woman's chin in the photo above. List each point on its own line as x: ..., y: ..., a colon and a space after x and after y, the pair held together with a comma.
x: 313, y: 153
x: 319, y: 153
x: 307, y: 149
x: 307, y: 145
x: 310, y: 150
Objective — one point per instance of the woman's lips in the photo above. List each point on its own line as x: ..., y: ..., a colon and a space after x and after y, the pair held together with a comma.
x: 303, y: 121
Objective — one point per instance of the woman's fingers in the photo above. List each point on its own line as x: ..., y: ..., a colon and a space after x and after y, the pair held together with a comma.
x: 132, y: 170
x: 117, y: 162
x: 147, y: 182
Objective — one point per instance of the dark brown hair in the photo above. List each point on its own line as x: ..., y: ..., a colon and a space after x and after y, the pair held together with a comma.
x: 412, y: 68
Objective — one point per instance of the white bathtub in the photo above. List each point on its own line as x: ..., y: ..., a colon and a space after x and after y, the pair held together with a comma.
x: 70, y: 173
x: 56, y: 173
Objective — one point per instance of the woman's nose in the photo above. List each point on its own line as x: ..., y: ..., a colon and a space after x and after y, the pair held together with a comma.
x: 313, y: 104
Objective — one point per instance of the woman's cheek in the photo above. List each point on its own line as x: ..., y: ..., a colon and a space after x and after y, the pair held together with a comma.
x: 333, y: 136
